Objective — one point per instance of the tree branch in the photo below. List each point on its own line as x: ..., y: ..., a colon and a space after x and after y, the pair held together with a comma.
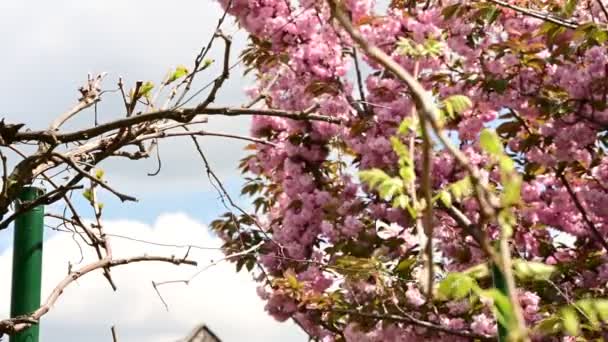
x: 17, y: 324
x: 179, y: 115
x: 536, y: 14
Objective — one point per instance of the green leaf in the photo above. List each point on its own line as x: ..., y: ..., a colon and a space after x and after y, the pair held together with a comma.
x: 405, y: 47
x: 595, y: 310
x: 292, y: 280
x: 452, y: 10
x: 390, y: 188
x: 570, y: 7
x: 511, y: 189
x: 461, y: 188
x: 88, y: 194
x: 549, y: 326
x: 401, y: 150
x: 506, y: 164
x: 533, y: 270
x: 145, y: 89
x: 490, y: 142
x: 478, y: 271
x: 207, y: 62
x: 373, y: 177
x: 456, y: 286
x: 407, y: 173
x: 405, y: 266
x: 456, y: 104
x: 356, y: 267
x: 433, y: 47
x: 407, y: 126
x: 446, y: 198
x: 99, y: 174
x: 386, y: 186
x: 601, y: 307
x: 401, y: 201
x: 570, y: 321
x: 429, y: 47
x: 179, y: 72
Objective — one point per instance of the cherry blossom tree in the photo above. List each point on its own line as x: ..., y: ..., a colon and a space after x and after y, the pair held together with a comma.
x: 448, y: 179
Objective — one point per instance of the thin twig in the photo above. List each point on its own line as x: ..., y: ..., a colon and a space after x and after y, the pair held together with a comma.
x: 14, y: 325
x: 535, y: 14
x: 596, y: 233
x: 114, y: 335
x: 85, y: 173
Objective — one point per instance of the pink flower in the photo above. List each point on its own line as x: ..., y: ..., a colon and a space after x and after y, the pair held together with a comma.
x: 414, y: 296
x: 482, y: 324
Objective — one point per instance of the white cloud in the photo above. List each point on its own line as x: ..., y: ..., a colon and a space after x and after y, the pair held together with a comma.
x: 219, y: 297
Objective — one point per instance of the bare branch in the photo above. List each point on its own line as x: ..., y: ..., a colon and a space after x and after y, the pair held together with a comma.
x: 536, y: 14
x: 86, y: 174
x: 47, y: 198
x: 596, y: 233
x: 200, y: 58
x: 114, y: 335
x: 165, y: 134
x: 217, y: 84
x: 14, y: 325
x: 91, y: 92
x: 180, y: 115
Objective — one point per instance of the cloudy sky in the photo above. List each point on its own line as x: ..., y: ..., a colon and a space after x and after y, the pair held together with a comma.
x: 47, y: 50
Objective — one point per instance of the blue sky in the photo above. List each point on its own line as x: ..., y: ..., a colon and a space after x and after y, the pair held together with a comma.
x: 48, y: 49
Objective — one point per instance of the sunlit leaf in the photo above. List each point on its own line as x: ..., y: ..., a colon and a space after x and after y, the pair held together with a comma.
x: 456, y: 286
x: 570, y: 321
x: 490, y: 142
x: 533, y: 270
x: 179, y: 72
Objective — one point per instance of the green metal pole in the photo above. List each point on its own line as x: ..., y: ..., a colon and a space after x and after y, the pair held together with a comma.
x: 500, y: 283
x: 27, y: 263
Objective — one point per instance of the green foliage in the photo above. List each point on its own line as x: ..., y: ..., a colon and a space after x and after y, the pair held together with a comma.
x: 510, y: 179
x: 207, y: 62
x: 478, y: 271
x: 569, y: 8
x: 405, y: 266
x: 99, y: 173
x: 570, y: 321
x: 386, y: 185
x: 144, y: 91
x: 179, y: 72
x: 587, y: 314
x: 452, y: 11
x: 456, y: 104
x: 407, y: 125
x: 88, y: 195
x: 533, y: 270
x: 357, y: 268
x: 401, y: 201
x: 490, y: 142
x: 446, y: 198
x: 456, y: 286
x: 430, y: 47
x: 461, y: 189
x: 511, y: 193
